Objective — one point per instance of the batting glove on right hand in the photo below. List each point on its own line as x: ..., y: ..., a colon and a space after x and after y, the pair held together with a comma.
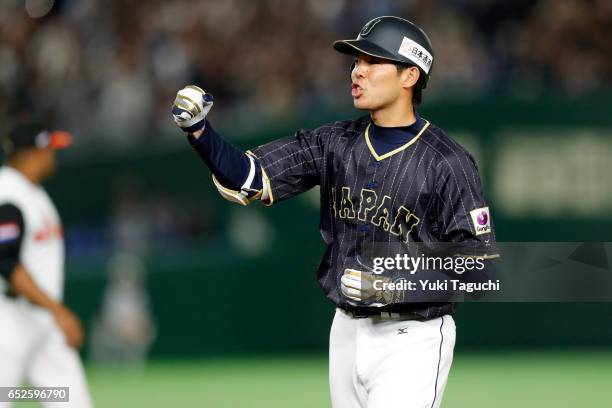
x: 190, y: 108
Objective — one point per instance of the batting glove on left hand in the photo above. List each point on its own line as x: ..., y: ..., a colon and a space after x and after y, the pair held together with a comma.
x: 190, y: 108
x: 357, y: 285
x: 367, y: 288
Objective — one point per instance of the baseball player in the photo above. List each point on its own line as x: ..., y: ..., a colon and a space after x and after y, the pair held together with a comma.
x: 39, y: 333
x: 389, y: 178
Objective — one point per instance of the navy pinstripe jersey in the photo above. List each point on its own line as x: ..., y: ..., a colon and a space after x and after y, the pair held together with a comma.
x: 427, y: 190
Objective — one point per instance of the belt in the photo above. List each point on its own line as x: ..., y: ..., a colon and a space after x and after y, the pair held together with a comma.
x: 362, y: 313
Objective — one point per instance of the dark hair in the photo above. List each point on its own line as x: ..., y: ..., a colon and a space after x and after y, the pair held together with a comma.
x: 417, y: 89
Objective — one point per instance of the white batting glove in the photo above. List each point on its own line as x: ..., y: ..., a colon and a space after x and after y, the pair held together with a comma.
x: 357, y: 285
x: 190, y: 108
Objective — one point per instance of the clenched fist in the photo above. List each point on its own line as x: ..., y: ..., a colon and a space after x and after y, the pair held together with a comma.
x: 190, y: 108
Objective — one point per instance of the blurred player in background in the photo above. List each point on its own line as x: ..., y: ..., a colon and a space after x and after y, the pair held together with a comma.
x: 38, y: 333
x: 387, y: 179
x: 124, y: 329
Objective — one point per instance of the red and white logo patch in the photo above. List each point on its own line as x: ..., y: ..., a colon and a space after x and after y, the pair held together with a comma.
x: 9, y: 231
x: 416, y: 53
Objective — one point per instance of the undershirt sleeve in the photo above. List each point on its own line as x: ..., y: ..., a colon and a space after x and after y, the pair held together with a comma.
x: 231, y: 166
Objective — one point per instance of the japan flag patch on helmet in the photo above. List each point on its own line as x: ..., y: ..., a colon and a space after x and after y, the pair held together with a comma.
x: 481, y: 220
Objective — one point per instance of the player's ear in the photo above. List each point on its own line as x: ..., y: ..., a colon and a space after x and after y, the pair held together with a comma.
x: 410, y: 76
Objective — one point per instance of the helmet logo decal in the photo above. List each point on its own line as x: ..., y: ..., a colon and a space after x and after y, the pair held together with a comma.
x: 416, y: 53
x: 365, y: 31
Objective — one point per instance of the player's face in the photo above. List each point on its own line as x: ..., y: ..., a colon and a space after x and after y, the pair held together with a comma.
x: 47, y: 162
x: 376, y: 83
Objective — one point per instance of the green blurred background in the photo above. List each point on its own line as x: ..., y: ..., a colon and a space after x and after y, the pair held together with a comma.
x: 188, y: 300
x: 252, y: 268
x: 218, y: 301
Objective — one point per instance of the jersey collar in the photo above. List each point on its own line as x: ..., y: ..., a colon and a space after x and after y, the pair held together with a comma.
x: 399, y: 149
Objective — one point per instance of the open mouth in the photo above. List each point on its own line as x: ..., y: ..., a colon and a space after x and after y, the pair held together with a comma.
x: 356, y: 91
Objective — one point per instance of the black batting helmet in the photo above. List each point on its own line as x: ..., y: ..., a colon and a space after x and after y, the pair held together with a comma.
x: 394, y: 39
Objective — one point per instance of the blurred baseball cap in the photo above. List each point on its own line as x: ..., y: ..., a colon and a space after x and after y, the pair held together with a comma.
x: 30, y: 133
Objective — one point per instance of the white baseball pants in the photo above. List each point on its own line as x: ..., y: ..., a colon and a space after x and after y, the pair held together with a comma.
x: 384, y: 363
x: 33, y: 349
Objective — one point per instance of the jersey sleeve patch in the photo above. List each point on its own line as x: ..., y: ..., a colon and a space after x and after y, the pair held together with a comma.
x: 481, y: 219
x: 9, y: 232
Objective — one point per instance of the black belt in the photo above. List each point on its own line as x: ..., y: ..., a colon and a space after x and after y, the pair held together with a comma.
x: 383, y: 313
